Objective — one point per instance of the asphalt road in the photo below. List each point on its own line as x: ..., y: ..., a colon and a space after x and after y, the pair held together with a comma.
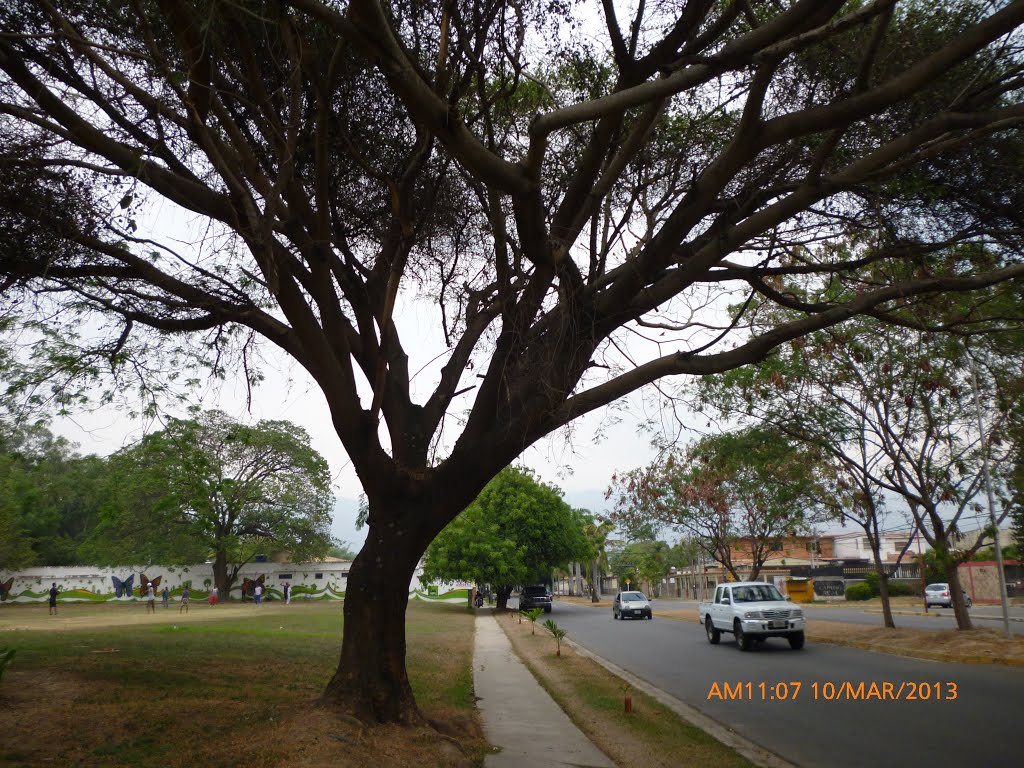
x: 806, y: 706
x: 983, y: 616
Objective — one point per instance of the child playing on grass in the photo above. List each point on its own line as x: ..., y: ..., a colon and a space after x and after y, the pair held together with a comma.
x: 185, y: 596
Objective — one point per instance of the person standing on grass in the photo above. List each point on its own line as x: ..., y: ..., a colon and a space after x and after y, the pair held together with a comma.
x: 185, y: 597
x: 287, y: 593
x: 150, y: 598
x: 53, y: 599
x: 213, y: 596
x: 166, y: 595
x: 257, y: 595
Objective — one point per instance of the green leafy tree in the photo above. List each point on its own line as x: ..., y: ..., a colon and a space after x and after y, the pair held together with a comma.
x: 642, y: 563
x: 15, y: 546
x: 214, y: 486
x: 49, y: 497
x: 342, y: 550
x: 597, y: 530
x: 893, y: 410
x: 515, y: 532
x: 751, y: 486
x: 554, y: 200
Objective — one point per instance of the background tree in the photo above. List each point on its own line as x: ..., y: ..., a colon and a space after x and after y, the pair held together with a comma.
x: 817, y: 392
x: 557, y: 202
x: 51, y: 496
x: 895, y: 412
x: 342, y: 550
x: 514, y: 533
x: 15, y: 546
x: 752, y: 486
x: 213, y: 486
x: 597, y: 530
x: 643, y: 563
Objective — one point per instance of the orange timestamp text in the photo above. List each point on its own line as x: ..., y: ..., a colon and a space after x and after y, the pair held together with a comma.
x: 844, y: 690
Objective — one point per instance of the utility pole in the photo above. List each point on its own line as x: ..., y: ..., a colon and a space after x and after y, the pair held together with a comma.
x: 991, y: 502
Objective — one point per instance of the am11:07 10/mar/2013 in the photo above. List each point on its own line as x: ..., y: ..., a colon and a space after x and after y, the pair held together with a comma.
x: 844, y: 690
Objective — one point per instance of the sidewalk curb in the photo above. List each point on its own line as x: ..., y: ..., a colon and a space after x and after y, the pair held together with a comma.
x: 753, y: 752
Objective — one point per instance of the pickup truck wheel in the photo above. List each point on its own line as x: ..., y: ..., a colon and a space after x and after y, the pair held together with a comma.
x: 743, y: 640
x: 713, y: 634
x: 796, y: 641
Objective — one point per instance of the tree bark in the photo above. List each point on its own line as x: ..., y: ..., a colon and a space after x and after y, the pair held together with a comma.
x: 220, y: 575
x: 503, y: 592
x: 883, y: 583
x: 956, y: 596
x: 371, y: 683
x: 883, y: 594
x: 595, y: 582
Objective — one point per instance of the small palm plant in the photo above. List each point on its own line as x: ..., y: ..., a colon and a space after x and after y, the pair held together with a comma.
x: 556, y: 632
x: 533, y: 614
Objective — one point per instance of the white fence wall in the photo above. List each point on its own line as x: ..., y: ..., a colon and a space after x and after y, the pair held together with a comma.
x: 91, y: 583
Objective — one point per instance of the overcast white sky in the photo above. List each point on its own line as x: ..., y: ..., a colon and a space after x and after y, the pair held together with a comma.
x: 581, y: 465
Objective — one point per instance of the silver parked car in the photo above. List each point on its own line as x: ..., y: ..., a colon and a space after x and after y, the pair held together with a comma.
x: 631, y: 605
x: 939, y: 594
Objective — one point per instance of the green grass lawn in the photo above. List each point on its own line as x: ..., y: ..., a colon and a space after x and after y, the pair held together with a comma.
x: 206, y: 690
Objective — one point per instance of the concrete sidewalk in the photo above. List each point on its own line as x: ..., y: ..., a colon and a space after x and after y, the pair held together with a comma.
x: 518, y: 715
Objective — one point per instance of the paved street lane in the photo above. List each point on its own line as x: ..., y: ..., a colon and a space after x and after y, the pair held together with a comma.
x: 799, y: 704
x: 987, y: 616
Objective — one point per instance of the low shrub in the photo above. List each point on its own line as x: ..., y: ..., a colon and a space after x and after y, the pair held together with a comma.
x: 859, y: 592
x: 904, y: 589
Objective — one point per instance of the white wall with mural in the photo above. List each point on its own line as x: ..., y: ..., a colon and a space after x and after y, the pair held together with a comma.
x: 309, y: 581
x: 86, y: 583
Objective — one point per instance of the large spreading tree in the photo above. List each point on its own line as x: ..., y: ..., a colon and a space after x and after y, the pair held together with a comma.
x: 571, y: 192
x: 215, y: 487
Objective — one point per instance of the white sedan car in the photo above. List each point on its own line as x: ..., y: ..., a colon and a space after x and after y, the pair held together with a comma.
x: 939, y: 594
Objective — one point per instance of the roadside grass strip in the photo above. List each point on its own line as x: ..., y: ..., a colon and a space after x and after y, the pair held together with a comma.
x: 651, y: 736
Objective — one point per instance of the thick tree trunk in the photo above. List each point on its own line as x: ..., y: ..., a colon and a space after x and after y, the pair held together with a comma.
x: 371, y: 683
x: 220, y: 576
x: 956, y: 595
x: 503, y: 592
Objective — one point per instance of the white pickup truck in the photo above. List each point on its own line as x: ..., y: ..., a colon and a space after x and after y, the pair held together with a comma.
x: 752, y: 611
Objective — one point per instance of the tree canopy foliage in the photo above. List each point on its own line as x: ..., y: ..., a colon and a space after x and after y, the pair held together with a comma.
x: 574, y: 196
x: 514, y: 533
x: 892, y: 412
x: 752, y: 485
x: 50, y: 497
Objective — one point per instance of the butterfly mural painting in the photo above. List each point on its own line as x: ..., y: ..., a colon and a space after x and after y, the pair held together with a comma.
x: 5, y: 588
x: 248, y: 585
x: 123, y: 588
x: 144, y: 583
